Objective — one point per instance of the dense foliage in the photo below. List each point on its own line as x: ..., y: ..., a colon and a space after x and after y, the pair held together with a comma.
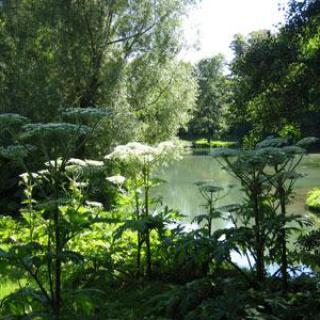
x: 214, y: 94
x: 118, y: 56
x: 276, y: 75
x: 92, y: 97
x: 67, y: 253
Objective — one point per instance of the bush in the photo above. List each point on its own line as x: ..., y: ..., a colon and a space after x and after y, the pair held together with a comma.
x: 313, y: 200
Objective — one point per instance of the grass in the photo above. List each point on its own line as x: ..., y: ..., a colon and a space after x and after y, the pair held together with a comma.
x: 214, y: 143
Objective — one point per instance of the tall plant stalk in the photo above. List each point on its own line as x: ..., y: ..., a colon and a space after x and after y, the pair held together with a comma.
x: 146, y: 182
x: 57, y: 266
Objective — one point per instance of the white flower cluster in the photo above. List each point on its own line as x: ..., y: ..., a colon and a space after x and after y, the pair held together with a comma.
x: 133, y: 151
x: 94, y: 204
x: 136, y: 152
x: 74, y: 162
x: 117, y: 180
x: 72, y: 165
x: 26, y: 176
x: 170, y: 150
x: 93, y: 163
x: 57, y: 163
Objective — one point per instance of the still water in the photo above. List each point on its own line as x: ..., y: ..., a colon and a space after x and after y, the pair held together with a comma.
x: 180, y: 192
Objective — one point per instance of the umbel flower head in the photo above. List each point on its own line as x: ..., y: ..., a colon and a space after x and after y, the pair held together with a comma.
x: 117, y: 180
x: 12, y: 119
x: 72, y: 167
x: 16, y: 152
x: 133, y: 151
x: 139, y: 153
x: 74, y: 162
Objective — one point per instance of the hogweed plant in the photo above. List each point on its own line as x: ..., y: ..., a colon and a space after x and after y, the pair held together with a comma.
x: 247, y: 167
x: 41, y: 251
x: 282, y: 161
x: 139, y: 162
x: 267, y: 175
x: 212, y: 194
x: 54, y: 212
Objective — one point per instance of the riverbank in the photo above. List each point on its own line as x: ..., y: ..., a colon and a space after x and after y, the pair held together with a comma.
x: 204, y: 143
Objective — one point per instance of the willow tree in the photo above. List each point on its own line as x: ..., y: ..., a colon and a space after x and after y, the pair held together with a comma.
x: 87, y: 53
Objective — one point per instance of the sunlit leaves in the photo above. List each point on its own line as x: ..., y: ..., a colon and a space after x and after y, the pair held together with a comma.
x: 313, y: 200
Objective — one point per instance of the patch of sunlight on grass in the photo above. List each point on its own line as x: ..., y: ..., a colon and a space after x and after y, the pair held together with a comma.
x: 215, y: 143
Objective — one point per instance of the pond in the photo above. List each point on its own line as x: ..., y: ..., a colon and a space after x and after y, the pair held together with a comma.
x: 180, y: 192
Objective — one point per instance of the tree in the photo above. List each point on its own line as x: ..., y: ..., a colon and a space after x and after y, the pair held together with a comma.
x: 118, y: 56
x: 212, y: 98
x: 275, y: 76
x: 161, y: 96
x: 96, y: 53
x: 10, y: 161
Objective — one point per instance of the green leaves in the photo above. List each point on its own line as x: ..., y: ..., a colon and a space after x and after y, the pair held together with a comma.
x: 275, y: 76
x: 313, y: 200
x: 5, y: 254
x: 54, y: 130
x: 87, y: 113
x: 209, y: 115
x: 224, y: 152
x: 49, y: 234
x: 267, y: 175
x: 305, y: 142
x: 68, y: 255
x: 16, y: 152
x: 8, y: 120
x: 272, y: 142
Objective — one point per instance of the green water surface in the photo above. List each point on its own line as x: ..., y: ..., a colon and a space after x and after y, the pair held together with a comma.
x: 180, y: 192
